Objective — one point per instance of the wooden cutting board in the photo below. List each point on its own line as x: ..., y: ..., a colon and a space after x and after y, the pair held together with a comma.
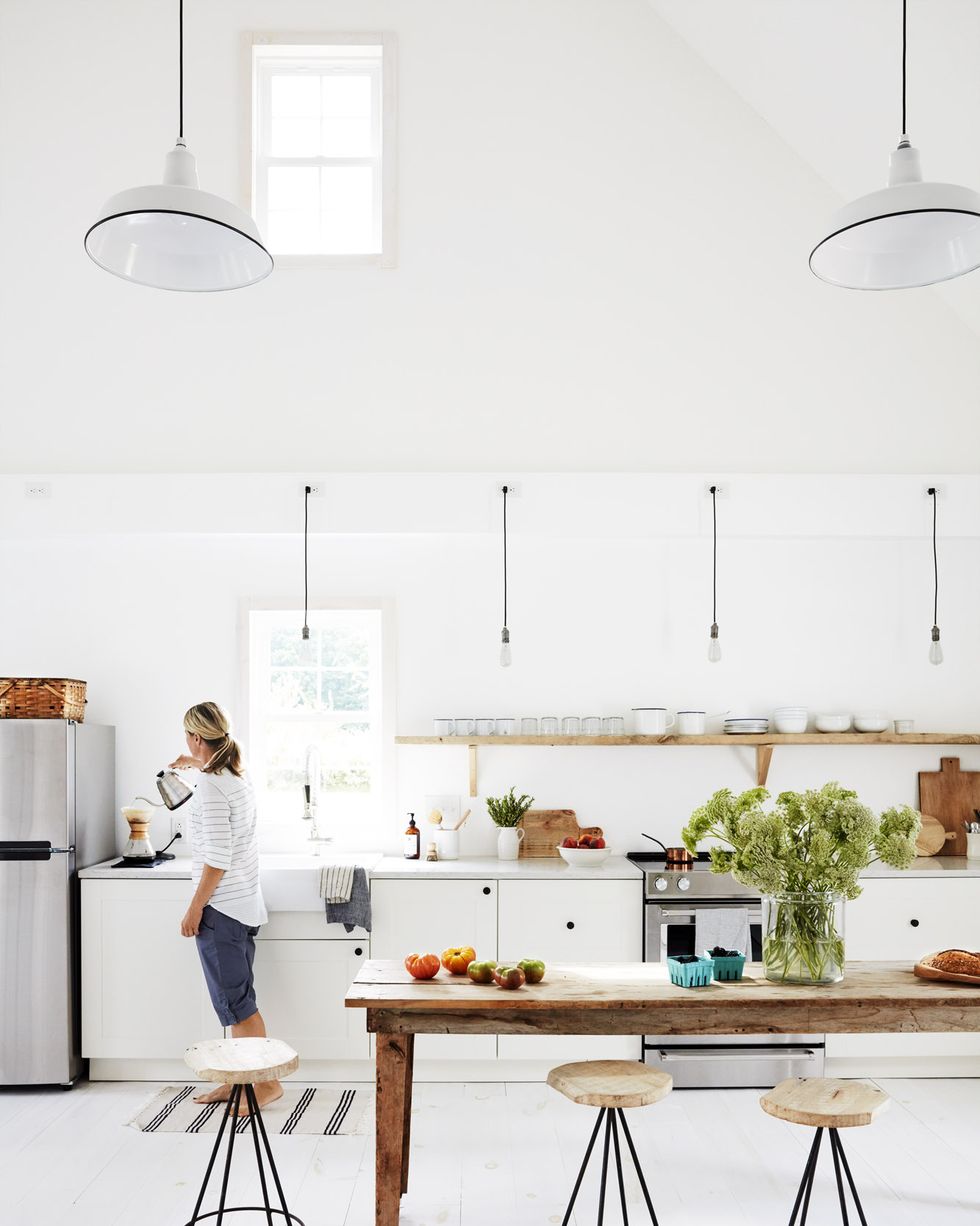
x: 932, y: 837
x: 950, y: 795
x: 544, y: 829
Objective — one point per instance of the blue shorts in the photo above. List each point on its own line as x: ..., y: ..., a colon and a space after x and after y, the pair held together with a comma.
x: 227, y: 949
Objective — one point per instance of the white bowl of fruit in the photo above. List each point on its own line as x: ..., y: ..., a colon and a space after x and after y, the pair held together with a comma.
x: 587, y: 851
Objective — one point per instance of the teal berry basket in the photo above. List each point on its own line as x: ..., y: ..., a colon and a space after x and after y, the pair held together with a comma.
x: 728, y: 968
x: 690, y: 974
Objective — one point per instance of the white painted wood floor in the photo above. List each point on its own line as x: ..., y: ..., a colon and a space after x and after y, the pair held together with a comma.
x: 500, y: 1154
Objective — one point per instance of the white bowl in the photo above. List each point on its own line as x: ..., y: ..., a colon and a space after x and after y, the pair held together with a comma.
x: 789, y: 723
x: 872, y: 721
x: 584, y: 857
x: 833, y: 723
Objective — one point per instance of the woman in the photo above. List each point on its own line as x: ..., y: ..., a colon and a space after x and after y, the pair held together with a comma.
x: 227, y: 907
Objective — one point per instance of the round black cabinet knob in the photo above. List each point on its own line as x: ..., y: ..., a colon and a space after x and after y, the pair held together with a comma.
x: 914, y: 923
x: 486, y: 889
x: 358, y: 951
x: 569, y: 924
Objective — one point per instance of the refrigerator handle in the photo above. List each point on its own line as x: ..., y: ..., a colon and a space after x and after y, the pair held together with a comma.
x: 28, y: 850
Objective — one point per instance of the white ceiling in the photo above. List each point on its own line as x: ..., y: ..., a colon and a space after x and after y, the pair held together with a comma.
x: 605, y: 208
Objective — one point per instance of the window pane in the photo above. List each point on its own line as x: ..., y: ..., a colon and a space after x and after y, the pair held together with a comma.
x: 347, y: 209
x: 295, y: 94
x: 294, y: 187
x: 344, y: 647
x: 347, y: 124
x: 290, y: 137
x: 345, y: 759
x: 293, y: 689
x: 344, y: 691
x: 284, y: 645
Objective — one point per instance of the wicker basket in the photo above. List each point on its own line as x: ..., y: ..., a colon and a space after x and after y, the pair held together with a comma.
x: 42, y: 698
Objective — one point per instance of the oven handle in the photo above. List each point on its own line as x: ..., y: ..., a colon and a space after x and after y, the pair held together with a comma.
x: 729, y: 1053
x: 672, y: 913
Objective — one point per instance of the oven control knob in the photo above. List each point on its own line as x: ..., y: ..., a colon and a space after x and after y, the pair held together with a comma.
x: 660, y: 883
x: 684, y: 884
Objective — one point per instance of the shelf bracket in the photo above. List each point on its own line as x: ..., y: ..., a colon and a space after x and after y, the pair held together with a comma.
x: 763, y: 757
x: 472, y: 751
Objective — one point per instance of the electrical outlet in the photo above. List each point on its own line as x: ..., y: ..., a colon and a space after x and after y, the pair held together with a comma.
x: 37, y: 489
x: 177, y: 826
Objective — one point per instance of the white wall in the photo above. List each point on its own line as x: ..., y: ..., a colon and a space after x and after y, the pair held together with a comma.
x: 825, y: 600
x: 602, y: 264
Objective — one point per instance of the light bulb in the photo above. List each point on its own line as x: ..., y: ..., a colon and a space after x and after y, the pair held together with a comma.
x: 714, y: 647
x: 307, y: 651
x: 935, y: 648
x: 505, y: 648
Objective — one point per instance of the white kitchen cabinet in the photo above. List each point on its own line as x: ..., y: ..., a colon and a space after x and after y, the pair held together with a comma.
x: 570, y: 921
x: 301, y: 987
x: 143, y: 992
x: 899, y: 919
x: 424, y: 916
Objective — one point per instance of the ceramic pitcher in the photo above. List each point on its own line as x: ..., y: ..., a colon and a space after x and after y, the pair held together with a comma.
x: 509, y: 842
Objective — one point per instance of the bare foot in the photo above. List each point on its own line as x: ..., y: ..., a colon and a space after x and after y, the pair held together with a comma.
x: 220, y: 1095
x: 265, y: 1092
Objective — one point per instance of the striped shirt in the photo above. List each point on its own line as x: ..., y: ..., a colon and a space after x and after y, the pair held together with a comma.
x: 223, y: 834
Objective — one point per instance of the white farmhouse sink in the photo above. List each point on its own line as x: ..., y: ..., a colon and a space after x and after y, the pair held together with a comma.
x: 290, y: 880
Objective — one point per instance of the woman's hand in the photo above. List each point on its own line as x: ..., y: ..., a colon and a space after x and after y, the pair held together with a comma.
x: 191, y: 922
x: 184, y: 762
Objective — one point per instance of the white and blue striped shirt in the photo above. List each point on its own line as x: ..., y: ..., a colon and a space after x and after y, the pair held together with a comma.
x: 223, y: 834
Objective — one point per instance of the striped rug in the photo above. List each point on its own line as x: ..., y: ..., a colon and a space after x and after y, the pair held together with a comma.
x: 328, y: 1111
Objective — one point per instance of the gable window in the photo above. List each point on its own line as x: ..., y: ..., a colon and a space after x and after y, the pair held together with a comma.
x: 323, y: 147
x: 329, y: 698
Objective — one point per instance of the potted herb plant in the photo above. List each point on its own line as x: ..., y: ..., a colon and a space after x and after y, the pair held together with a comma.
x: 805, y: 856
x: 505, y: 812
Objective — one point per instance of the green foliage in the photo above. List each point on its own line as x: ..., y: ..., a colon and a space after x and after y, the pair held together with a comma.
x: 810, y: 842
x: 508, y: 810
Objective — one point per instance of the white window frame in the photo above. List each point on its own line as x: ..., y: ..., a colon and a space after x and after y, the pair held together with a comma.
x: 387, y: 83
x: 387, y: 779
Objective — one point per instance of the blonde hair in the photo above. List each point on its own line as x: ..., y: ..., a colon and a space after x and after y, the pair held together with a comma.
x: 208, y: 721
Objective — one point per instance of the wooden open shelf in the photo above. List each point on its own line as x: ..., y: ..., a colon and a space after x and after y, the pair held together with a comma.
x: 764, y: 742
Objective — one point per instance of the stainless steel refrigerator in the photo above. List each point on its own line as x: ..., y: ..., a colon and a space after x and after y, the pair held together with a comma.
x: 57, y: 805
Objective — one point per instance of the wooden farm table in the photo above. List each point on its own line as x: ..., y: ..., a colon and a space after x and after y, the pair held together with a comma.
x: 622, y: 998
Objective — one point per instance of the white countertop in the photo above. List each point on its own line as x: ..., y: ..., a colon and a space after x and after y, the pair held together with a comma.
x: 552, y: 868
x: 928, y: 866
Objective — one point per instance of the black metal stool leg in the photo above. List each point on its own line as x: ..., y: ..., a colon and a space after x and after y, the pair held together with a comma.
x: 585, y: 1163
x: 619, y: 1167
x: 806, y: 1184
x: 236, y: 1098
x: 214, y: 1154
x: 253, y: 1108
x: 836, y: 1141
x: 636, y: 1164
x: 254, y: 1104
x: 840, y: 1182
x: 605, y: 1168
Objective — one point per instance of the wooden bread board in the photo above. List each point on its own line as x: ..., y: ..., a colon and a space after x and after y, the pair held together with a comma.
x: 950, y: 795
x: 933, y: 836
x: 925, y: 971
x: 544, y: 829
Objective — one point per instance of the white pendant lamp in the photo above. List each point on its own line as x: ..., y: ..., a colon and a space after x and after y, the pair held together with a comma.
x: 908, y: 234
x: 172, y: 235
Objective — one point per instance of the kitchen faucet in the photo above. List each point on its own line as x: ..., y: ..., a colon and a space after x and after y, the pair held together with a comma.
x: 311, y: 791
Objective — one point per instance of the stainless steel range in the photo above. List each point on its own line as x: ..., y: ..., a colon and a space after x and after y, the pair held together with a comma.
x: 682, y: 901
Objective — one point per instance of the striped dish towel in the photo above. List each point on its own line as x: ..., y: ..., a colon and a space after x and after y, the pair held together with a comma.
x: 336, y: 882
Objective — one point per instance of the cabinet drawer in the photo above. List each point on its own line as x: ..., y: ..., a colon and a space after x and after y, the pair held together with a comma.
x: 896, y: 919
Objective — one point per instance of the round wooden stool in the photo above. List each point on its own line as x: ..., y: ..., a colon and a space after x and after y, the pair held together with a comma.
x: 825, y: 1102
x: 241, y: 1063
x: 611, y: 1085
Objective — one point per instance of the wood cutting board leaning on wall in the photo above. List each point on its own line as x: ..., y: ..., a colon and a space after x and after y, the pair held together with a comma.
x: 950, y: 795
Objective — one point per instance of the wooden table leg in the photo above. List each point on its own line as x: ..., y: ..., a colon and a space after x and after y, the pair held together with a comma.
x: 393, y: 1067
x: 407, y: 1126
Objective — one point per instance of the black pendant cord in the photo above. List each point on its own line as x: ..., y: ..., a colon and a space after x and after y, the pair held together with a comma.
x: 905, y: 45
x: 306, y: 559
x: 505, y: 492
x: 935, y: 558
x: 180, y: 23
x: 714, y: 555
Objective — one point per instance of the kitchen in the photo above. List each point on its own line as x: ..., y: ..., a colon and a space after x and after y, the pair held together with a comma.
x: 162, y: 542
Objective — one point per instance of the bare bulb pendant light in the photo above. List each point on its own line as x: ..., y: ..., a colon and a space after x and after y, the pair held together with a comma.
x: 909, y: 233
x: 171, y: 235
x: 505, y: 656
x: 935, y: 647
x: 714, y: 647
x: 306, y: 651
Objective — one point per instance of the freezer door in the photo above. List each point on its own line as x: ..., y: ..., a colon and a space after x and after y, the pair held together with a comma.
x: 38, y: 1026
x: 37, y: 780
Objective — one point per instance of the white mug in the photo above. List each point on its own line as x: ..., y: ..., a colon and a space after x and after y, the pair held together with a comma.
x: 464, y: 727
x: 442, y: 727
x: 484, y: 727
x: 690, y: 723
x: 651, y: 721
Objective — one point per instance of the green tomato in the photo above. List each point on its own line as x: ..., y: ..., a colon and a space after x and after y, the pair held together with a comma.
x: 533, y: 969
x: 481, y: 972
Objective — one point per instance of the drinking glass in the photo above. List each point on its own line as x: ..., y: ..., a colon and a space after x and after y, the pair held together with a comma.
x: 463, y: 727
x: 529, y: 725
x: 503, y: 727
x: 571, y: 725
x: 484, y: 727
x: 549, y: 725
x: 614, y: 725
x: 591, y: 725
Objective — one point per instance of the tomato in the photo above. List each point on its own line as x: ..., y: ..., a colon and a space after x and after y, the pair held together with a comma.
x: 457, y: 958
x: 422, y: 966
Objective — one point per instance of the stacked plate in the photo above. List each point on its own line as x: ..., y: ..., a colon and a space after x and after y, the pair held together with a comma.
x: 747, y: 723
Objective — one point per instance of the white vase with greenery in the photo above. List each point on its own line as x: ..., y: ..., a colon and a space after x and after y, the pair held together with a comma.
x: 505, y: 812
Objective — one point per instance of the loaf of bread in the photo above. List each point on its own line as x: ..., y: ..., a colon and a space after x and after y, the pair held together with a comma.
x: 956, y: 962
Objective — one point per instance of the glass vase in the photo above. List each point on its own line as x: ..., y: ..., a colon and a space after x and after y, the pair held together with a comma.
x: 803, y: 937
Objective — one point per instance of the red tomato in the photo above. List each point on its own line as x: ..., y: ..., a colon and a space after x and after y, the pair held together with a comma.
x: 422, y: 966
x: 457, y: 958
